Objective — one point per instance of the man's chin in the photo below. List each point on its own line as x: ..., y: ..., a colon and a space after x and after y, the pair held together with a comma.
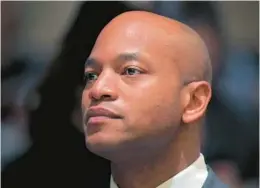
x: 105, y: 148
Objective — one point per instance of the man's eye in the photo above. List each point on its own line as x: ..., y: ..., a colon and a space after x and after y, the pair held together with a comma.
x: 131, y: 71
x: 90, y: 76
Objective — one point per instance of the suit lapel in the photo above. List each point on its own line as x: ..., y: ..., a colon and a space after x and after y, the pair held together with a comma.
x: 213, y: 181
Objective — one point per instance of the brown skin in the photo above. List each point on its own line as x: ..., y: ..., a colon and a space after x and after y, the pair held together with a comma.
x: 161, y: 94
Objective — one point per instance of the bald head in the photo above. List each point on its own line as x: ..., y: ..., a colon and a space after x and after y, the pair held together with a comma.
x: 181, y: 43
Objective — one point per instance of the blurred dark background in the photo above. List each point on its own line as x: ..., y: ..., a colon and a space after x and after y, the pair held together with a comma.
x: 43, y: 49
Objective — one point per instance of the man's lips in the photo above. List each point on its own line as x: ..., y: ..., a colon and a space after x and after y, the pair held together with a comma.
x: 99, y: 114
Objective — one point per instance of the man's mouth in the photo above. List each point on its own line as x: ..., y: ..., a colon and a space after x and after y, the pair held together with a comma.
x: 96, y: 115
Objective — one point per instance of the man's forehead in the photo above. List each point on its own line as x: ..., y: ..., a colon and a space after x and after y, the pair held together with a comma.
x: 125, y: 38
x: 128, y: 43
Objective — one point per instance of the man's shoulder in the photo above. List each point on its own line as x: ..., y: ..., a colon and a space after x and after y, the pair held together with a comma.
x: 213, y: 181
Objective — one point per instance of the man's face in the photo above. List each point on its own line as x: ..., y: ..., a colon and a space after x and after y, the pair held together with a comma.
x: 130, y: 74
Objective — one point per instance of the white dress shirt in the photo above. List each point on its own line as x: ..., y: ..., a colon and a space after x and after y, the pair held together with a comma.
x: 193, y: 176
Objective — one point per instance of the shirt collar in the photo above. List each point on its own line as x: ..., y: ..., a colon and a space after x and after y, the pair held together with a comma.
x: 193, y: 176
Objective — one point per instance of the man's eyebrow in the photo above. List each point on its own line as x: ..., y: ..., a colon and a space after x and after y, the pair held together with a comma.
x: 127, y: 56
x: 91, y: 62
x: 122, y: 58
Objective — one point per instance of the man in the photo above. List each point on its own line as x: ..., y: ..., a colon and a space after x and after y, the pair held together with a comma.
x: 147, y: 89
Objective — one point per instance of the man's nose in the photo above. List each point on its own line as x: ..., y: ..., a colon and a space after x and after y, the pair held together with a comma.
x: 104, y: 88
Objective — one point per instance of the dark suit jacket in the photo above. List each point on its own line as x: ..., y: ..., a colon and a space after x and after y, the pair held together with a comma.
x: 213, y: 181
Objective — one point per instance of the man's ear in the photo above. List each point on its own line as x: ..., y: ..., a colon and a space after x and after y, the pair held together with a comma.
x: 196, y: 97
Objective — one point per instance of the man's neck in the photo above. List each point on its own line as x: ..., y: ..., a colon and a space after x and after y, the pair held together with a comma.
x: 153, y: 170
